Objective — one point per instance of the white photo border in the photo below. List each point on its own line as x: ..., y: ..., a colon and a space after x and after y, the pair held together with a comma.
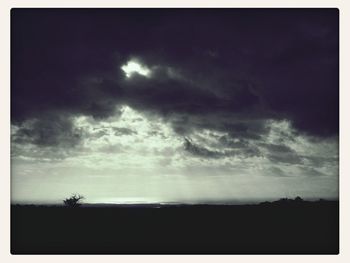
x: 344, y: 141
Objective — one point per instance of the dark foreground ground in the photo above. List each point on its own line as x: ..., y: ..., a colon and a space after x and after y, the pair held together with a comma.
x: 306, y: 228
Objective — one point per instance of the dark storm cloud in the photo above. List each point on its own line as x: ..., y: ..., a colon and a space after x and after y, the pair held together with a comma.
x: 228, y: 70
x: 252, y: 130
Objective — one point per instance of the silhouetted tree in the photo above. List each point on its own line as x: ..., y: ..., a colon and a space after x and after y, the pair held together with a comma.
x: 73, y: 201
x: 298, y: 199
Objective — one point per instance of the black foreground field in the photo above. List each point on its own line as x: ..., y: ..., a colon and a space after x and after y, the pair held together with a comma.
x: 306, y: 228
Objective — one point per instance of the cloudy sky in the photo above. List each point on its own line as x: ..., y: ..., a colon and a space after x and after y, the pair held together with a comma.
x: 174, y: 105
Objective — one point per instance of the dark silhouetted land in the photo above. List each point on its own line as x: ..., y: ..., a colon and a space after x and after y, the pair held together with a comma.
x: 282, y: 227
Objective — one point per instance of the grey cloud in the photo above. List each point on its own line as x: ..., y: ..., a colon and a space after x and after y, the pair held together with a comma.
x: 227, y: 141
x: 204, y: 152
x: 275, y: 171
x: 157, y: 133
x: 119, y: 131
x: 281, y: 153
x: 102, y: 132
x: 36, y: 154
x: 300, y: 171
x: 319, y: 161
x: 277, y: 148
x: 285, y: 158
x: 165, y: 161
x: 251, y: 151
x: 112, y: 149
x: 200, y: 151
x: 165, y: 152
x: 310, y: 171
x: 51, y: 130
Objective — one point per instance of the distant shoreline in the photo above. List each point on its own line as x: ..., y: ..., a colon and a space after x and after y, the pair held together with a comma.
x: 174, y: 204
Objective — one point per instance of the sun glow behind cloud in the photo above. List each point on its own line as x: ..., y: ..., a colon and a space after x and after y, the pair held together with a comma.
x: 128, y: 141
x: 133, y: 67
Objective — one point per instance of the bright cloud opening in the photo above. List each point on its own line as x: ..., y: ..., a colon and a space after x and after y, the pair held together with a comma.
x: 134, y: 67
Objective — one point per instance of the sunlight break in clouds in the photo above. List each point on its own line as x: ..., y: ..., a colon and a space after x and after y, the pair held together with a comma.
x: 135, y: 156
x: 134, y: 67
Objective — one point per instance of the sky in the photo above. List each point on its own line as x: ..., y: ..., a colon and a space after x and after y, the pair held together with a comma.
x: 174, y: 105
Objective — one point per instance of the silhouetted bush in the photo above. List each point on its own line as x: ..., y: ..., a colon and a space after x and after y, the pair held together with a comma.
x: 286, y: 201
x: 73, y: 201
x: 298, y: 199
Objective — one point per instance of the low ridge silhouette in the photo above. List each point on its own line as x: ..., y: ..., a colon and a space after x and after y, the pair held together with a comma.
x: 285, y: 226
